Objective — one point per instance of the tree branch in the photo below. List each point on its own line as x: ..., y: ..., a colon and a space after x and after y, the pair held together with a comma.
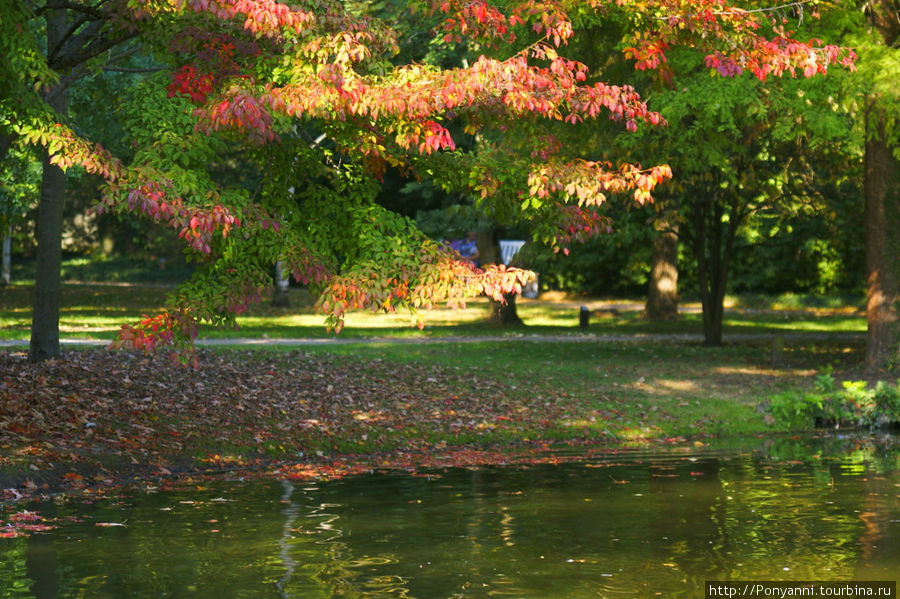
x: 97, y: 47
x: 737, y: 11
x: 133, y: 70
x: 63, y: 41
x: 63, y: 4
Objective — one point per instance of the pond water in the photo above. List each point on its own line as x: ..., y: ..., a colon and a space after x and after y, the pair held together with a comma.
x: 610, y: 524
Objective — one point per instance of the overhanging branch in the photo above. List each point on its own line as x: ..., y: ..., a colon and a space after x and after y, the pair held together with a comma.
x: 738, y: 11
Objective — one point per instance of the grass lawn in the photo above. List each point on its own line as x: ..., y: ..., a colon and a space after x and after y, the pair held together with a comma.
x: 97, y: 311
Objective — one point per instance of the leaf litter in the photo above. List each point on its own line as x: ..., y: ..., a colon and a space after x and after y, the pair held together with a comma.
x: 98, y: 418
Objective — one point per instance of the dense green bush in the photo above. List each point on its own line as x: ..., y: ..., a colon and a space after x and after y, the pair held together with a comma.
x: 853, y: 404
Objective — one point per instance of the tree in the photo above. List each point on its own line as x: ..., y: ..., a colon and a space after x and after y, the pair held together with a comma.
x: 881, y: 181
x: 309, y: 97
x: 733, y: 145
x: 662, y: 282
x: 39, y: 72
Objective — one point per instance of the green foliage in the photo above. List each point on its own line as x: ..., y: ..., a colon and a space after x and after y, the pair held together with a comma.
x: 853, y: 404
x: 20, y: 176
x: 795, y: 410
x: 615, y: 264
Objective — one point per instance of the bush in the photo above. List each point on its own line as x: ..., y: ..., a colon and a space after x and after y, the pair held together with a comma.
x: 794, y: 410
x: 854, y: 404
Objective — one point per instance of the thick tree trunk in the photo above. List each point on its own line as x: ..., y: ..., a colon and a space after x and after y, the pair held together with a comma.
x: 662, y: 292
x: 881, y: 178
x: 45, y: 317
x: 506, y: 314
x: 502, y: 313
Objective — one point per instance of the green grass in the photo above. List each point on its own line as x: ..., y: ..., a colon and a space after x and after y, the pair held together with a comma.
x: 624, y: 390
x: 97, y: 311
x: 105, y: 269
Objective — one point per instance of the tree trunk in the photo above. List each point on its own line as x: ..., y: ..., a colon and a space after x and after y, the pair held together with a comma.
x: 281, y: 297
x: 662, y: 292
x: 504, y: 313
x: 45, y: 317
x: 713, y: 246
x: 6, y: 272
x: 881, y: 178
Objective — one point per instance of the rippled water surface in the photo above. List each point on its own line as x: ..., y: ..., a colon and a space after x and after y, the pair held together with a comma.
x: 614, y: 524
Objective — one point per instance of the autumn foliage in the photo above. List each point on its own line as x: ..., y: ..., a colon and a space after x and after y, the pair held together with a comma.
x: 313, y: 97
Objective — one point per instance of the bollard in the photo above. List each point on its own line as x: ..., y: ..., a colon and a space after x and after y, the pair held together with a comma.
x: 584, y: 318
x: 778, y: 350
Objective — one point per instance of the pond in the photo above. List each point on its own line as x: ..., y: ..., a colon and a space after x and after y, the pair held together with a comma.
x: 612, y: 523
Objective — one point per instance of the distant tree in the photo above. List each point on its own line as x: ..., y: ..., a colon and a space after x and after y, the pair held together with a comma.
x: 19, y: 184
x: 733, y: 146
x: 662, y: 281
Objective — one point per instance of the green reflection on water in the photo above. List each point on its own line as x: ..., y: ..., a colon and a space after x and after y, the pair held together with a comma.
x: 618, y: 524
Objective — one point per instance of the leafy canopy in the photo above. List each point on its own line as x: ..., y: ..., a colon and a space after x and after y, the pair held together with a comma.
x: 316, y: 99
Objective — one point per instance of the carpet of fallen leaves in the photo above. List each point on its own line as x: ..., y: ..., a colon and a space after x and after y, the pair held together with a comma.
x: 97, y: 417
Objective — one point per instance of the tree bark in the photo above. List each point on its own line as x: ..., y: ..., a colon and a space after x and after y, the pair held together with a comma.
x: 6, y: 271
x: 504, y: 313
x: 880, y: 180
x: 712, y: 242
x: 45, y: 316
x: 662, y: 292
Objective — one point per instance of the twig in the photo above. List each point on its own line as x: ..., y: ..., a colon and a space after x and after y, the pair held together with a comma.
x: 797, y: 4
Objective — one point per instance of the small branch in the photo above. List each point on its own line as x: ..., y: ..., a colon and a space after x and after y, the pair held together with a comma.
x: 58, y: 4
x: 133, y: 70
x: 737, y: 11
x: 95, y: 48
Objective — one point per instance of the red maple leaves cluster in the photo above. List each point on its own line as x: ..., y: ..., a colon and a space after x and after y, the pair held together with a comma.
x: 701, y: 23
x: 578, y: 225
x: 152, y: 198
x: 268, y: 18
x: 156, y: 331
x: 214, y: 58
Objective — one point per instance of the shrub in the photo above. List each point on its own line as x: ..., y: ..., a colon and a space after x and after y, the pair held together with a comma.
x: 854, y: 404
x: 795, y: 410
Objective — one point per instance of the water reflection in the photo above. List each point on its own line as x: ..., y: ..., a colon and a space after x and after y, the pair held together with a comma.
x: 618, y: 524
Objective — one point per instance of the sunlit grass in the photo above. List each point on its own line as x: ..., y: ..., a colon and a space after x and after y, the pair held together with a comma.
x: 97, y: 311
